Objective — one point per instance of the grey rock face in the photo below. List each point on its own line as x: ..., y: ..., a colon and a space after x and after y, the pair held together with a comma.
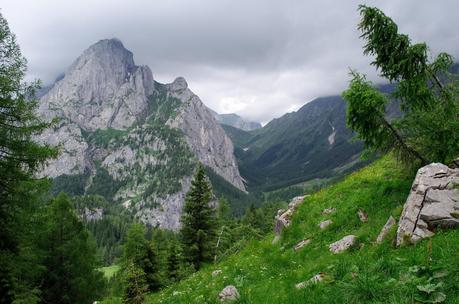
x: 204, y: 135
x: 118, y: 125
x: 103, y: 88
x: 433, y: 202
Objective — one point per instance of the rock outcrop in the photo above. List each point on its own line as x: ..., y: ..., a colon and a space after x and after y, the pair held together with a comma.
x: 284, y: 217
x: 433, y: 202
x: 344, y: 244
x: 119, y: 127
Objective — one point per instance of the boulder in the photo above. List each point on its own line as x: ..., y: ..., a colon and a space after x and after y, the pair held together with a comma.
x: 433, y: 202
x: 325, y: 224
x: 343, y: 244
x: 363, y: 216
x: 301, y: 244
x: 229, y: 293
x: 385, y: 230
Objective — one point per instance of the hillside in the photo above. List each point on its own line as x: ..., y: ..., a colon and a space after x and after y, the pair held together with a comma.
x: 368, y: 273
x: 292, y: 149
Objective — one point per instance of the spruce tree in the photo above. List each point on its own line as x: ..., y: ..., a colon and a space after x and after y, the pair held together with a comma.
x: 142, y: 254
x: 199, y: 223
x: 20, y: 158
x: 135, y: 284
x: 70, y: 258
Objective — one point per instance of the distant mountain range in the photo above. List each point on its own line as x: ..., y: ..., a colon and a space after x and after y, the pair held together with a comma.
x: 311, y: 143
x: 236, y: 121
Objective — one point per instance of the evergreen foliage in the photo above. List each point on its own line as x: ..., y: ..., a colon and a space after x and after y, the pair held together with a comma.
x: 199, y: 221
x: 139, y: 252
x: 70, y: 258
x: 429, y: 129
x: 20, y: 158
x: 135, y: 284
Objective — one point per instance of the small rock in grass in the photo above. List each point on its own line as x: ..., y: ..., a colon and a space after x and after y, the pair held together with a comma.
x: 216, y: 272
x: 229, y: 293
x: 301, y: 244
x: 325, y: 224
x: 328, y: 211
x: 363, y: 216
x: 343, y: 244
x: 314, y: 280
x: 385, y: 230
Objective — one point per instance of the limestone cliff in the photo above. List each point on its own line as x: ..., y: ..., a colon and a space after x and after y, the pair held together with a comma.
x: 130, y: 138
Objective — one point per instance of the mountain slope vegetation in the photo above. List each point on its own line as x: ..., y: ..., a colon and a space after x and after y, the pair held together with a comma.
x: 368, y: 273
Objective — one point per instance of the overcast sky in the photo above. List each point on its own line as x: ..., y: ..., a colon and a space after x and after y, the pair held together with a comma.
x: 259, y: 59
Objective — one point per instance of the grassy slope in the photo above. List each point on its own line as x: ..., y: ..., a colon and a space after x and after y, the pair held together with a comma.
x: 266, y: 273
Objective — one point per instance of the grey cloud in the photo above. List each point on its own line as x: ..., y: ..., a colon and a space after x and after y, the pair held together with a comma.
x: 258, y: 58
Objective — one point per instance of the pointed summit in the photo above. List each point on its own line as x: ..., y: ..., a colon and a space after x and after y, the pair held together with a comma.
x: 178, y: 84
x: 103, y: 88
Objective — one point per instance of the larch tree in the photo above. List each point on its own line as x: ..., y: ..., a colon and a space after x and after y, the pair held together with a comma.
x: 428, y: 129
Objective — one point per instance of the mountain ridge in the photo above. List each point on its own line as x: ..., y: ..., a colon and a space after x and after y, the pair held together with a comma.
x: 129, y: 137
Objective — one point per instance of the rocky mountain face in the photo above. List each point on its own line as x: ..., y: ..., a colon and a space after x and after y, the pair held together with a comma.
x: 129, y: 138
x: 236, y: 121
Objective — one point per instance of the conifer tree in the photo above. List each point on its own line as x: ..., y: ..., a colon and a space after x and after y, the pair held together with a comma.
x: 428, y: 130
x: 20, y: 157
x: 140, y: 252
x: 199, y: 223
x: 135, y: 284
x: 70, y: 258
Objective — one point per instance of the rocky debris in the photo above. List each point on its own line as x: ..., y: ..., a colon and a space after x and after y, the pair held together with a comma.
x: 284, y: 217
x: 301, y: 244
x: 343, y: 244
x: 433, y: 202
x: 229, y: 293
x: 328, y: 211
x: 94, y: 214
x: 363, y: 216
x: 385, y: 230
x: 314, y: 280
x: 216, y: 272
x: 325, y: 224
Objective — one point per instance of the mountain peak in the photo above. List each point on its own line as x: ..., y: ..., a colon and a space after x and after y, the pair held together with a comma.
x: 178, y: 84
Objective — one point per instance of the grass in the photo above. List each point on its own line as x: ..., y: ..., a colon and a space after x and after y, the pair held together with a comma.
x: 109, y: 271
x: 368, y: 273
